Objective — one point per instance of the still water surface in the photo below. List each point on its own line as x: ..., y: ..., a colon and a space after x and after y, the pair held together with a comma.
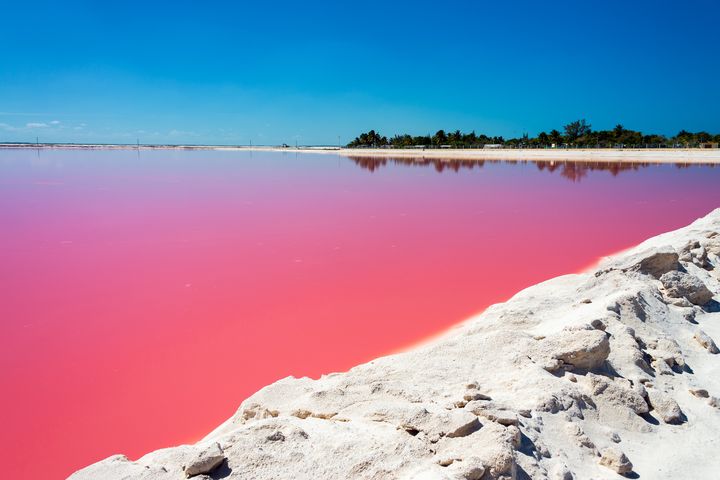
x: 144, y: 295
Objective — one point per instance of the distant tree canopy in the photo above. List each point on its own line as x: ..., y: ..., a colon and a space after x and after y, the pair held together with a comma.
x: 576, y: 129
x: 455, y: 139
x: 575, y: 134
x: 369, y: 139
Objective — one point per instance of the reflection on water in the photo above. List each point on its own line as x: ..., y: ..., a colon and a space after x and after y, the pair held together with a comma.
x: 574, y: 171
x: 440, y: 164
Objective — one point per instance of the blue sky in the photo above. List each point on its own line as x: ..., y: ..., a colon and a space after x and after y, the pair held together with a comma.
x: 273, y: 72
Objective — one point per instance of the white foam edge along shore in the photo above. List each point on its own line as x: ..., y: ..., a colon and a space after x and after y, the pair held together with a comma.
x: 602, y: 374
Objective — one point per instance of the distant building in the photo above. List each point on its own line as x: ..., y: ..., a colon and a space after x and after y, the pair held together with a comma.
x: 492, y: 145
x: 709, y: 145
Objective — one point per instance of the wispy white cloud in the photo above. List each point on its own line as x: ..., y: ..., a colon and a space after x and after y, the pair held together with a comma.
x: 182, y: 133
x: 55, y: 122
x: 36, y: 125
x: 7, y: 127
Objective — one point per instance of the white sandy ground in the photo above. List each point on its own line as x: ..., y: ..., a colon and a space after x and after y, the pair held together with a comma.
x: 610, y: 155
x: 562, y: 381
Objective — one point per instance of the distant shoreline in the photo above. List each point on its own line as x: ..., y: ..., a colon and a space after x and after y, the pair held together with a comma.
x: 625, y: 155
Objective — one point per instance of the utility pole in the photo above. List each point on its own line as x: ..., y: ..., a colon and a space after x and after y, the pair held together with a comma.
x: 37, y: 142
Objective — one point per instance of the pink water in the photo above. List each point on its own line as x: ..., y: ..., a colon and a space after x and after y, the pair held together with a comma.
x: 143, y: 296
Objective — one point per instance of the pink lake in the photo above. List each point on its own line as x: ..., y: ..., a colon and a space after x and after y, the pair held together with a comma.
x: 144, y: 295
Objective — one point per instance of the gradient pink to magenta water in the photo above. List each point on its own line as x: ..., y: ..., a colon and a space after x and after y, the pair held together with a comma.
x: 144, y: 296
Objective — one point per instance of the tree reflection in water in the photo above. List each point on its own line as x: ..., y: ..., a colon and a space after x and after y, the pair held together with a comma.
x: 573, y: 171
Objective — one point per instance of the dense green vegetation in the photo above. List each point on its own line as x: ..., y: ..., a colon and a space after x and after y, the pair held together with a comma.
x: 574, y: 135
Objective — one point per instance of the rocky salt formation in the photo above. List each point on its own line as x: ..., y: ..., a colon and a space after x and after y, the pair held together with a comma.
x: 597, y: 375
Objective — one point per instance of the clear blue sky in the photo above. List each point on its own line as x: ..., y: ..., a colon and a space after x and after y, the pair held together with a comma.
x: 274, y: 71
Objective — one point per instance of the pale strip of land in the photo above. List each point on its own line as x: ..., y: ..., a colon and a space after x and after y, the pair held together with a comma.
x: 636, y: 155
x: 624, y: 155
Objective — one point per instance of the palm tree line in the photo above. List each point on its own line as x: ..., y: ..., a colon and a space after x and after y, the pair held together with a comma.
x: 577, y: 134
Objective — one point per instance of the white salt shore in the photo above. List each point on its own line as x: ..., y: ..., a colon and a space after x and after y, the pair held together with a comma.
x: 588, y: 155
x: 597, y: 375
